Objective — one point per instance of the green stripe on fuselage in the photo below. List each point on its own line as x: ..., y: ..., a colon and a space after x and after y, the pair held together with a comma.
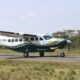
x: 35, y: 48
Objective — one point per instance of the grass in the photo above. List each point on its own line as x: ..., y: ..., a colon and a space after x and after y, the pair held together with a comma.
x: 37, y: 70
x: 74, y: 52
x: 4, y: 51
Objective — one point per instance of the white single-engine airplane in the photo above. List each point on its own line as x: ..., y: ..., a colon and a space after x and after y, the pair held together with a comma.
x: 32, y: 43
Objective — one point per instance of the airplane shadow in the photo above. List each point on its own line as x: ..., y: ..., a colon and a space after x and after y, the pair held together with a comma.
x: 21, y: 57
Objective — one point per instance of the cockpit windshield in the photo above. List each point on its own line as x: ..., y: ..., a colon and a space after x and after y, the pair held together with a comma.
x: 47, y: 37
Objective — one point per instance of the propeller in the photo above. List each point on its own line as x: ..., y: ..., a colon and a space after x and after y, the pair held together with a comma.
x: 68, y: 44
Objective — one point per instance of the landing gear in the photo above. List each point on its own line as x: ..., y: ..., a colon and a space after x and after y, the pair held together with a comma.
x: 62, y: 54
x: 26, y: 53
x: 41, y: 54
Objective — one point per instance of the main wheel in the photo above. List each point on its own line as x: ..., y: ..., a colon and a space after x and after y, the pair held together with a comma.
x: 26, y: 54
x: 41, y: 54
x: 62, y: 54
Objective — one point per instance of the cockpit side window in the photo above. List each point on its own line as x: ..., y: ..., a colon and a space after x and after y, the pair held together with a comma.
x: 47, y: 37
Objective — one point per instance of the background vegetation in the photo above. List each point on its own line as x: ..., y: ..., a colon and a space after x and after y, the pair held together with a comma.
x: 75, y: 42
x: 73, y: 35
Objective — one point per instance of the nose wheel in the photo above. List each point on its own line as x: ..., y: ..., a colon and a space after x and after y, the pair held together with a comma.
x: 41, y: 54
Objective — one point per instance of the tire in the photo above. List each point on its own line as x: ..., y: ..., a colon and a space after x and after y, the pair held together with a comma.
x: 41, y: 54
x: 62, y: 54
x: 26, y: 54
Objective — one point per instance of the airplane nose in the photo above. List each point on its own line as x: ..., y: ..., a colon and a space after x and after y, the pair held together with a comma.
x: 58, y: 41
x: 64, y: 42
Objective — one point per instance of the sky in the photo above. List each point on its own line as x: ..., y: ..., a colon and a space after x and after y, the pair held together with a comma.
x: 39, y: 16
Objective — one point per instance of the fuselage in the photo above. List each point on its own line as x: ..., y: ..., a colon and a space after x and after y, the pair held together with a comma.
x: 10, y: 41
x: 45, y: 40
x: 33, y: 44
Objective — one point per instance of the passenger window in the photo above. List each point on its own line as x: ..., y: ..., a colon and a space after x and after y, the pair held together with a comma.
x: 41, y: 38
x: 36, y: 39
x: 32, y: 39
x: 12, y: 40
x: 20, y: 40
x: 16, y: 40
x: 9, y: 40
x: 26, y: 39
x: 4, y: 39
